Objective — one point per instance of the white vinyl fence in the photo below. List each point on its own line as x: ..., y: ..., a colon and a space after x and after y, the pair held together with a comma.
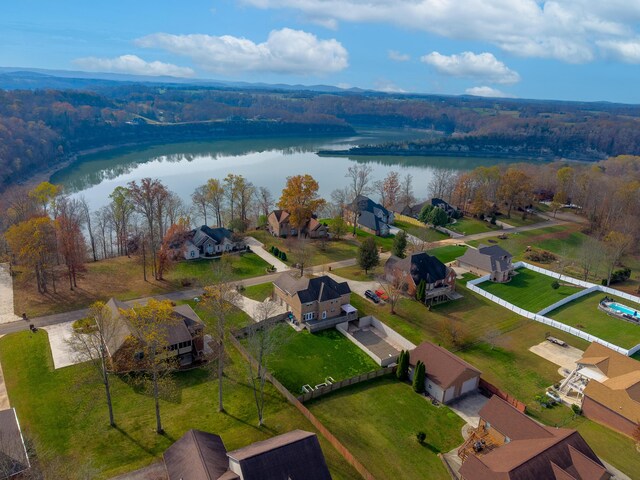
x: 540, y: 316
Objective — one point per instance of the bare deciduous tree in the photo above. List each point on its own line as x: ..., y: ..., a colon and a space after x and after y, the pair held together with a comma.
x: 359, y: 176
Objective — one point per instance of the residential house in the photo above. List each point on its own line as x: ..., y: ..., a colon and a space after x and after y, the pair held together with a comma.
x: 278, y: 224
x: 412, y: 211
x: 508, y: 445
x: 488, y: 260
x: 370, y: 216
x: 450, y: 210
x: 319, y: 302
x: 184, y: 337
x: 440, y: 280
x: 198, y: 455
x: 448, y: 377
x: 14, y: 459
x: 208, y: 242
x: 608, y: 383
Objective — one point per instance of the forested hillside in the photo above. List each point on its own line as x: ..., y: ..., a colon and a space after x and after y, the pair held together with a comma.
x: 42, y: 127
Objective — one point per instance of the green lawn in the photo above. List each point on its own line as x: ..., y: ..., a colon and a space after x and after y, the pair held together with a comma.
x: 517, y: 221
x: 378, y: 421
x: 584, y: 314
x: 201, y: 272
x: 448, y: 253
x: 529, y: 290
x: 356, y: 273
x: 319, y: 252
x: 259, y: 292
x: 305, y: 358
x: 63, y: 411
x: 470, y: 226
x: 422, y: 232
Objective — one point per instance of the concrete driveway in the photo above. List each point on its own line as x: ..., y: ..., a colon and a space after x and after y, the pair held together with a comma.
x: 252, y: 307
x: 6, y: 295
x: 468, y: 407
x: 357, y: 286
x: 257, y: 248
x: 565, y: 357
x: 60, y: 351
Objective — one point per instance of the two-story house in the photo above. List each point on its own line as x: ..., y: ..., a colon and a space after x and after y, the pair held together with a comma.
x: 488, y: 260
x: 318, y: 301
x: 279, y: 225
x: 369, y: 216
x: 439, y: 280
x: 208, y: 242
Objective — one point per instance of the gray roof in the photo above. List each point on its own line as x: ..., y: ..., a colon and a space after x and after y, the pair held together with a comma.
x: 312, y: 289
x: 488, y: 258
x: 196, y: 455
x: 202, y: 234
x: 295, y: 455
x: 176, y: 332
x: 421, y: 266
x: 13, y: 454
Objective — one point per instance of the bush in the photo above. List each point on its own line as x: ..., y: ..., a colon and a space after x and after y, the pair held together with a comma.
x: 419, y: 377
x: 276, y: 252
x: 85, y: 325
x: 493, y: 219
x: 540, y: 256
x: 402, y: 370
x: 619, y: 276
x: 555, y: 284
x: 576, y: 409
x: 283, y: 256
x: 272, y: 249
x: 421, y: 437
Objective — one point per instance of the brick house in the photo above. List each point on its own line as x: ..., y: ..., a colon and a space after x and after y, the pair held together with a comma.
x: 279, y: 225
x: 315, y: 300
x: 439, y: 279
x: 488, y: 260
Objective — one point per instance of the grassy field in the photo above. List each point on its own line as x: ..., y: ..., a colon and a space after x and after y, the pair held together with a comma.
x: 422, y: 232
x: 470, y: 226
x: 529, y: 290
x: 258, y: 292
x: 63, y: 411
x: 584, y: 314
x: 378, y: 421
x: 356, y: 273
x: 318, y: 252
x: 448, y: 253
x: 517, y: 221
x: 120, y: 277
x: 305, y: 358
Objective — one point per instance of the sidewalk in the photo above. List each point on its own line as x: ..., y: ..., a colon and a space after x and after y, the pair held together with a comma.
x: 257, y: 248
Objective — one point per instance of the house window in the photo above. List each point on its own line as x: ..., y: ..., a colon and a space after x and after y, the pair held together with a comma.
x: 193, y: 253
x: 507, y: 439
x: 324, y: 314
x: 429, y: 386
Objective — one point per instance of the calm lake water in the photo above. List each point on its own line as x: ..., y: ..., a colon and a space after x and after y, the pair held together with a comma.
x: 264, y: 161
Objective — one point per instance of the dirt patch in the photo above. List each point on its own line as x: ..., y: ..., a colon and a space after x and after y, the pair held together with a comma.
x: 565, y: 357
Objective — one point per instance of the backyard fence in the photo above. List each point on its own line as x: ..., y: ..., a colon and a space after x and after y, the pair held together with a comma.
x: 324, y: 431
x: 319, y: 392
x: 488, y: 390
x: 249, y: 329
x: 539, y: 317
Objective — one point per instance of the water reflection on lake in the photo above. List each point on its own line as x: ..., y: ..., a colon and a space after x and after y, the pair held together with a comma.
x: 265, y: 162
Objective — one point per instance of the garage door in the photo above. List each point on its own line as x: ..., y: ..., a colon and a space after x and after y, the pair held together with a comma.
x: 469, y: 385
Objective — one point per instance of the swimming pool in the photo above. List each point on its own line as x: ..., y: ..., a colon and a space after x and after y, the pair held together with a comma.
x: 623, y: 309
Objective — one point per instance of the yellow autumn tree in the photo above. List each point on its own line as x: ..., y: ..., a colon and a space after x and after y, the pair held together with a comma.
x: 300, y: 198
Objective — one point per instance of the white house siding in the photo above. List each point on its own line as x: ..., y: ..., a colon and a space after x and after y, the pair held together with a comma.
x: 434, y: 390
x: 470, y: 385
x: 449, y: 394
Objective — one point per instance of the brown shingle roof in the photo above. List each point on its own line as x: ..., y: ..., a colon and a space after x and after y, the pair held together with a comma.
x: 13, y: 454
x: 295, y: 455
x: 196, y: 455
x: 621, y: 391
x: 442, y: 367
x: 533, y: 452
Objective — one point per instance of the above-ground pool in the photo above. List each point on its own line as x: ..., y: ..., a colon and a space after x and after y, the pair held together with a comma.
x: 623, y: 309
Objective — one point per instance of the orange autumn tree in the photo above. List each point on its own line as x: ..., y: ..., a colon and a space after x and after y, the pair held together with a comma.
x: 172, y: 247
x: 300, y: 198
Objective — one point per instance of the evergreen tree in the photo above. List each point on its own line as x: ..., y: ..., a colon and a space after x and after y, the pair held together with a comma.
x: 402, y: 370
x: 368, y: 256
x: 419, y: 377
x: 400, y: 244
x: 421, y: 290
x: 425, y: 213
x: 438, y: 217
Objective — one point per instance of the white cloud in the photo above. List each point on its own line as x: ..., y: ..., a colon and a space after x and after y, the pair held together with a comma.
x: 398, y: 57
x: 134, y: 65
x: 386, y: 86
x: 482, y: 66
x: 625, y: 51
x: 487, y: 92
x: 285, y: 51
x: 567, y: 30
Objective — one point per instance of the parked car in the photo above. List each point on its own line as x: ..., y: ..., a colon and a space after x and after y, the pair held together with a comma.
x: 371, y: 296
x: 382, y: 294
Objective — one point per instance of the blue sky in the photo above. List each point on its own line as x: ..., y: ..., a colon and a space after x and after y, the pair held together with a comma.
x: 561, y: 49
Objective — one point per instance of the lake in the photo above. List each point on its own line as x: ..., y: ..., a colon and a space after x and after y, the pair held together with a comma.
x: 264, y: 161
